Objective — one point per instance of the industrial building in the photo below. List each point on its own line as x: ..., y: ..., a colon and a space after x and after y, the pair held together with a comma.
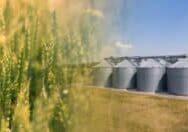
x: 144, y: 73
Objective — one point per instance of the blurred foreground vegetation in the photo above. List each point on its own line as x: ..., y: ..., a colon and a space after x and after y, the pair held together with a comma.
x: 42, y: 43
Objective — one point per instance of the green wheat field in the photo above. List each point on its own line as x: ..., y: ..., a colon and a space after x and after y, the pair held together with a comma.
x: 41, y: 44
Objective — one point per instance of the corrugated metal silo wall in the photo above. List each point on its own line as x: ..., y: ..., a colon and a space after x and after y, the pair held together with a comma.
x: 177, y: 80
x: 124, y: 77
x: 151, y: 79
x: 102, y: 76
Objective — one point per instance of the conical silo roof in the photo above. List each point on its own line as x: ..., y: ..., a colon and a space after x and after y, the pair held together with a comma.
x: 150, y: 63
x: 125, y: 63
x: 181, y: 63
x: 104, y: 64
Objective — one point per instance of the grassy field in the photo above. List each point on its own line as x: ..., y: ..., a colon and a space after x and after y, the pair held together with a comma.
x: 116, y: 111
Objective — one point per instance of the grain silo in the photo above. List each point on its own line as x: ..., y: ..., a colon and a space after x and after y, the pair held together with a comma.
x: 177, y: 78
x: 165, y: 63
x: 124, y: 75
x: 102, y: 74
x: 150, y: 76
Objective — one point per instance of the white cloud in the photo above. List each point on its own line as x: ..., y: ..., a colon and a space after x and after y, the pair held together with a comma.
x: 94, y: 12
x: 122, y: 49
x: 125, y: 46
x: 116, y: 50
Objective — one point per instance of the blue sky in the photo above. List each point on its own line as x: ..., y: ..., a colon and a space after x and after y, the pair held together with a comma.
x: 157, y: 27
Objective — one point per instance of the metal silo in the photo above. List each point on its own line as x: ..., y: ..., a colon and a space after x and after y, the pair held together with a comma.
x: 177, y: 78
x: 165, y: 63
x: 124, y: 75
x: 102, y: 74
x: 151, y: 76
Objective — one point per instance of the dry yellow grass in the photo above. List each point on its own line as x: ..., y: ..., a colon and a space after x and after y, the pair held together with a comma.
x: 116, y: 111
